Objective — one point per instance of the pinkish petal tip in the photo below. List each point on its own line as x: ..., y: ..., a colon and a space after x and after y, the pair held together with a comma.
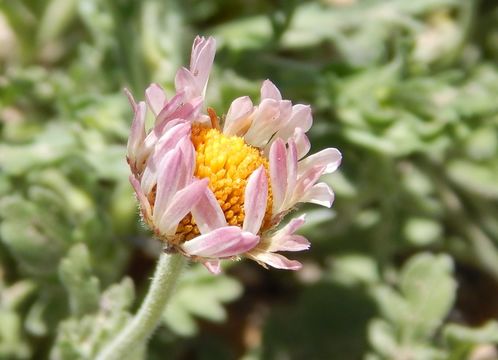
x: 270, y: 91
x: 220, y: 243
x: 255, y: 198
x: 156, y: 98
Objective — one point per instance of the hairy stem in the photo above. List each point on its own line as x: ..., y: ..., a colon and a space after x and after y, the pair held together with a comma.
x: 136, y: 333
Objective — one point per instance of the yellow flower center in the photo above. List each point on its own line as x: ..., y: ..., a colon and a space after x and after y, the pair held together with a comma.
x: 227, y: 161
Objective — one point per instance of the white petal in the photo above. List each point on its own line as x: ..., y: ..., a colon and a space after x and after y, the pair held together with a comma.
x: 320, y: 194
x: 329, y: 159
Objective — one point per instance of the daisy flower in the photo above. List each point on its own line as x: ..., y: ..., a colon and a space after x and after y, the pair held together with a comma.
x: 214, y: 190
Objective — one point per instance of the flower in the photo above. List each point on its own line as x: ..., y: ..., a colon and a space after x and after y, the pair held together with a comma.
x: 212, y: 191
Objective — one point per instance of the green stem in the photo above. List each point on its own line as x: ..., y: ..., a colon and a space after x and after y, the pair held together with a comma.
x: 136, y: 333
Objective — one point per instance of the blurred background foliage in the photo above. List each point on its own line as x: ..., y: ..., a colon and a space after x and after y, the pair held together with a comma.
x: 405, y: 265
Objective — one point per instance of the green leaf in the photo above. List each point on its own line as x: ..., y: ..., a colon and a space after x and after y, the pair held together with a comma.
x: 478, y: 179
x: 382, y: 337
x: 83, y: 288
x: 201, y: 294
x: 427, y: 284
x: 458, y: 334
x: 82, y: 338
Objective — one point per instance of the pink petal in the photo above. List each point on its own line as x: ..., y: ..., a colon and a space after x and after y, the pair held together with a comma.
x: 300, y: 118
x: 156, y: 98
x: 213, y: 266
x: 270, y: 91
x: 265, y: 122
x: 167, y: 182
x: 131, y: 100
x: 286, y: 240
x: 293, y: 225
x: 207, y: 213
x: 291, y: 169
x: 165, y: 144
x: 137, y: 132
x: 180, y: 206
x: 302, y: 143
x: 238, y: 118
x: 189, y: 110
x: 291, y: 243
x: 278, y: 174
x: 164, y: 115
x: 306, y: 181
x: 185, y: 81
x: 188, y: 165
x: 144, y: 203
x: 201, y: 61
x: 223, y: 242
x: 329, y: 159
x: 255, y: 197
x: 277, y: 261
x: 320, y: 194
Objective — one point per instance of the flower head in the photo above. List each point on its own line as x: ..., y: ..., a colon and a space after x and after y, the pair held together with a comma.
x: 214, y: 191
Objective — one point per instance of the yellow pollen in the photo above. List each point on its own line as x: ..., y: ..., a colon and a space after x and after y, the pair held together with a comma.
x: 227, y: 161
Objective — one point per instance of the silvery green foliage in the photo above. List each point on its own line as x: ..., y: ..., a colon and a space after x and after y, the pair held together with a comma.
x: 413, y: 313
x: 81, y: 337
x: 199, y: 294
x: 13, y: 343
x: 407, y: 91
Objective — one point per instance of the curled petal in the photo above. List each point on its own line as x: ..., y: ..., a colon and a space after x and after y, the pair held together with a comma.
x: 213, y: 266
x: 166, y: 113
x: 185, y: 82
x: 131, y: 99
x: 265, y: 122
x: 156, y: 98
x: 180, y: 206
x: 165, y: 144
x: 303, y: 144
x: 276, y: 260
x: 223, y: 242
x: 329, y: 159
x: 320, y: 194
x: 201, y: 61
x: 238, y: 118
x: 255, y: 197
x: 305, y: 182
x: 286, y: 240
x: 208, y: 214
x: 270, y: 91
x: 300, y: 118
x: 142, y: 199
x: 137, y: 134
